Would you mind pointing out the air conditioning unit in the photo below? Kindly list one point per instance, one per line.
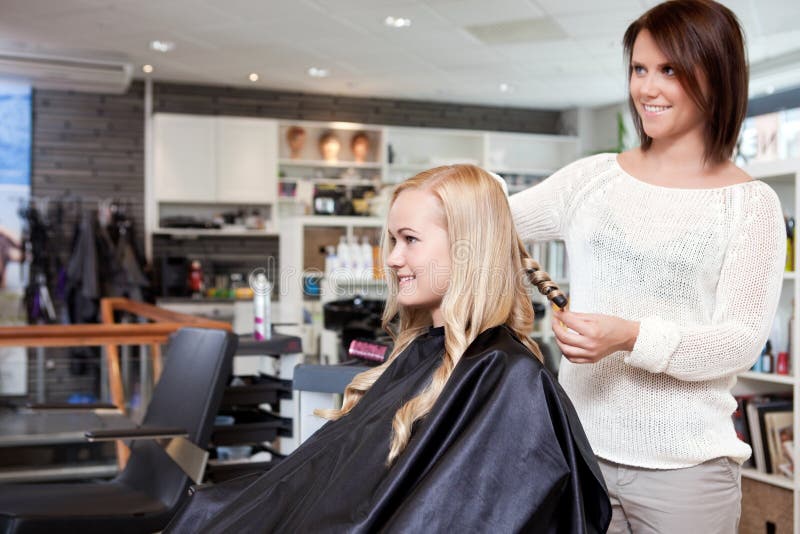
(64, 73)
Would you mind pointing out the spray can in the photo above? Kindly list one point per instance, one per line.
(262, 307)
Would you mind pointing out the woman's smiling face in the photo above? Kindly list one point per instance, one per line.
(419, 248)
(667, 111)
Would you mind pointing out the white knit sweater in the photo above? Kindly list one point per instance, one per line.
(700, 269)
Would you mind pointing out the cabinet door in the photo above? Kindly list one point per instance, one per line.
(247, 160)
(184, 158)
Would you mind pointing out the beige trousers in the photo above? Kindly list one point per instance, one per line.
(705, 498)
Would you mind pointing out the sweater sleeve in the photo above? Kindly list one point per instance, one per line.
(539, 211)
(747, 297)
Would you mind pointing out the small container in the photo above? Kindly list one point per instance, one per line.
(768, 360)
(195, 280)
(782, 366)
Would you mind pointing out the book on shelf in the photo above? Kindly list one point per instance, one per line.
(779, 431)
(765, 423)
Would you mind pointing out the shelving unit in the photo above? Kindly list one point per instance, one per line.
(229, 161)
(261, 407)
(784, 178)
(294, 267)
(204, 165)
(306, 171)
(189, 180)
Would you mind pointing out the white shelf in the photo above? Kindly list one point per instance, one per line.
(334, 181)
(775, 480)
(211, 232)
(790, 275)
(767, 377)
(211, 202)
(783, 170)
(340, 221)
(329, 164)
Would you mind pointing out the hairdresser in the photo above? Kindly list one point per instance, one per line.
(676, 259)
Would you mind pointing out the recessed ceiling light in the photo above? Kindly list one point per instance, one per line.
(397, 22)
(253, 77)
(162, 46)
(316, 72)
(147, 69)
(506, 88)
(770, 89)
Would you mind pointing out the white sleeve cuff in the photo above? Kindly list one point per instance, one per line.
(655, 345)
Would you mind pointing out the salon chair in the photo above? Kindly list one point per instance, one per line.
(170, 443)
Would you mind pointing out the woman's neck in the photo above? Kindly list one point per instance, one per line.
(683, 156)
(436, 318)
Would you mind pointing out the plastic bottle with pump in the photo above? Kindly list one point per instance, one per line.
(767, 359)
(366, 258)
(331, 260)
(355, 258)
(343, 255)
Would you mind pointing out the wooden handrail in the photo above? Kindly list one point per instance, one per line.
(111, 335)
(156, 314)
(90, 334)
(108, 332)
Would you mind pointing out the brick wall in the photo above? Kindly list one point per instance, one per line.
(208, 100)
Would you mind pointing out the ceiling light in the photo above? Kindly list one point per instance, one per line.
(253, 77)
(315, 72)
(147, 69)
(397, 22)
(505, 88)
(162, 46)
(770, 89)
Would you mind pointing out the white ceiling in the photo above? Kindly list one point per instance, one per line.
(436, 58)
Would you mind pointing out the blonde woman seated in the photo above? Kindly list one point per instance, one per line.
(462, 429)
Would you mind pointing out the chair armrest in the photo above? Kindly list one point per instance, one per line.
(136, 433)
(69, 407)
(188, 456)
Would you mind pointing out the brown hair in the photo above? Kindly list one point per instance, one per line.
(357, 137)
(701, 38)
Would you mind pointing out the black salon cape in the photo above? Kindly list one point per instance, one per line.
(501, 451)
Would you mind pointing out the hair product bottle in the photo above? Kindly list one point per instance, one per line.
(767, 359)
(262, 308)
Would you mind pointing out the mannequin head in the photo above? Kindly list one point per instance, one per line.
(359, 146)
(296, 138)
(329, 146)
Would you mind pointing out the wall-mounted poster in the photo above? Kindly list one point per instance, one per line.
(15, 184)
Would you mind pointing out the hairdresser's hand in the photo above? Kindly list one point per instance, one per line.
(593, 336)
